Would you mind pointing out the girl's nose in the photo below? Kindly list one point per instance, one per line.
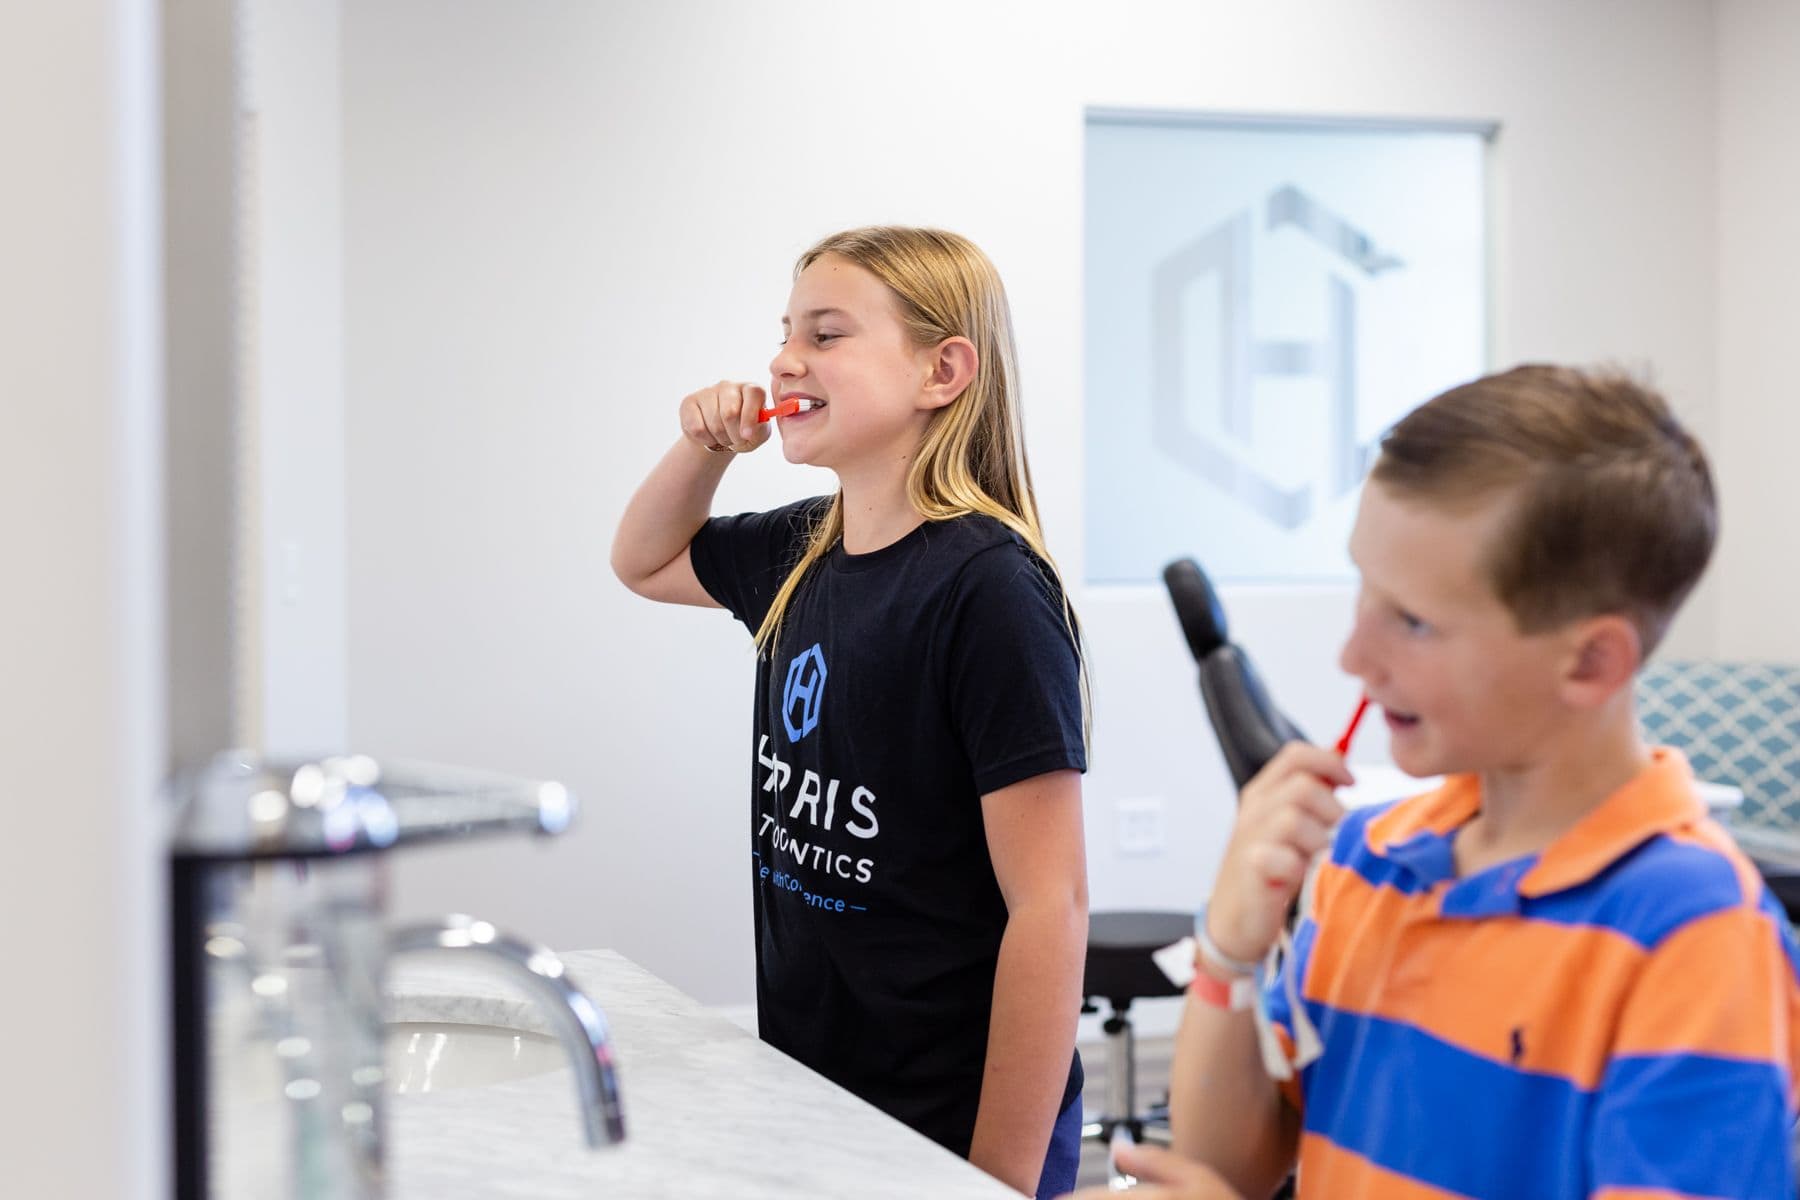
(786, 364)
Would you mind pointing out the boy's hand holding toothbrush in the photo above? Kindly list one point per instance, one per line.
(1285, 820)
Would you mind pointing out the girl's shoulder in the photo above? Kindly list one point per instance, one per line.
(975, 542)
(993, 559)
(972, 532)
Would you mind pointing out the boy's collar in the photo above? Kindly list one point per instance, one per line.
(1656, 800)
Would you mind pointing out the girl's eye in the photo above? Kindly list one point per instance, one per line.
(1411, 623)
(822, 338)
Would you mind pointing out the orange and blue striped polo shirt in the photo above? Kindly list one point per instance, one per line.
(1617, 1016)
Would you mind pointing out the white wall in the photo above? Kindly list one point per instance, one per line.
(81, 713)
(560, 218)
(293, 604)
(1759, 270)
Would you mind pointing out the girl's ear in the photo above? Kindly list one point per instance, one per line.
(950, 370)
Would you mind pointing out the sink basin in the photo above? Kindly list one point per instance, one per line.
(436, 1056)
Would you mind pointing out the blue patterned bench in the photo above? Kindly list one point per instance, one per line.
(1738, 723)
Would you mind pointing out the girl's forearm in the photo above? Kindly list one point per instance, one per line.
(667, 509)
(1031, 1035)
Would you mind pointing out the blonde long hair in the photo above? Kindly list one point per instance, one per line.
(972, 456)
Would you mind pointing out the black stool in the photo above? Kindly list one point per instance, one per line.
(1119, 970)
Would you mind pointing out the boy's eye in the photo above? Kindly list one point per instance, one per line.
(822, 338)
(1411, 623)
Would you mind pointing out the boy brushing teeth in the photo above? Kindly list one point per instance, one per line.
(1554, 976)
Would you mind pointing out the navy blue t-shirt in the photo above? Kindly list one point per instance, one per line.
(906, 684)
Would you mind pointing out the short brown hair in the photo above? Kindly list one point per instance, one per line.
(1615, 511)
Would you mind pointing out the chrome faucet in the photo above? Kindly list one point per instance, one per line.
(278, 879)
(578, 1024)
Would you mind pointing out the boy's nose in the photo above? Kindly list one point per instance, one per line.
(1353, 659)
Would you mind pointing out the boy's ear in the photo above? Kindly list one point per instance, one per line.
(1607, 655)
(950, 371)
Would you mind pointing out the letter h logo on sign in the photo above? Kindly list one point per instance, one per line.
(1239, 358)
(801, 694)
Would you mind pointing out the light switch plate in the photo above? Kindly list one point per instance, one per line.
(1141, 825)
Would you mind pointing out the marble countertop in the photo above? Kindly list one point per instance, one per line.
(709, 1109)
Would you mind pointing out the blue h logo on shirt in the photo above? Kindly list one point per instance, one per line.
(805, 685)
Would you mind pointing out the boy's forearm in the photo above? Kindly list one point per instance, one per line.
(1031, 1037)
(667, 509)
(1224, 1110)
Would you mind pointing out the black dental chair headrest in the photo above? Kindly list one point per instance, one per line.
(1197, 607)
(1249, 727)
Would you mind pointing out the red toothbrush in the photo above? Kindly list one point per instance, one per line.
(1343, 742)
(788, 407)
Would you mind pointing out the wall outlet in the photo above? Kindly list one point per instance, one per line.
(1141, 825)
